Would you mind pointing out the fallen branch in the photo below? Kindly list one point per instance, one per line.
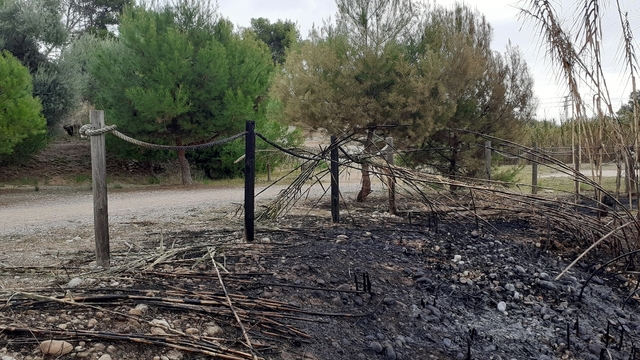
(244, 332)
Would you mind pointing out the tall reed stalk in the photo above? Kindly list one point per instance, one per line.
(577, 60)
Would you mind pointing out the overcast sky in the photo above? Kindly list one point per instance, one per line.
(503, 17)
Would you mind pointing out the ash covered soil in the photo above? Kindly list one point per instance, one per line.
(374, 286)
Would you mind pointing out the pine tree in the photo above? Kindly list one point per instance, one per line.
(180, 75)
(20, 117)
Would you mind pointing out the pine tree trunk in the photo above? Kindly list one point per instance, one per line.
(366, 178)
(184, 166)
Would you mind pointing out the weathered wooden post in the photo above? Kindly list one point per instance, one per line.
(99, 183)
(577, 157)
(249, 180)
(534, 170)
(487, 159)
(335, 182)
(391, 179)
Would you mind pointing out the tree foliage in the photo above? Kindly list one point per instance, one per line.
(486, 92)
(96, 17)
(278, 36)
(20, 118)
(179, 75)
(33, 32)
(353, 77)
(417, 71)
(625, 113)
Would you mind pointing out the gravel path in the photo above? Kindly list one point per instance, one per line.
(24, 212)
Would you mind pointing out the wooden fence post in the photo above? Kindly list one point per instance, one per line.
(335, 182)
(249, 180)
(534, 170)
(487, 159)
(391, 179)
(99, 184)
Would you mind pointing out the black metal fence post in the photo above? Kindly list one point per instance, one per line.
(335, 185)
(249, 181)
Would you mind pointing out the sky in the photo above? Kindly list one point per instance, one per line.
(503, 15)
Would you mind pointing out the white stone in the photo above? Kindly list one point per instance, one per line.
(214, 331)
(75, 282)
(158, 331)
(192, 331)
(55, 347)
(141, 309)
(502, 306)
(174, 355)
(160, 322)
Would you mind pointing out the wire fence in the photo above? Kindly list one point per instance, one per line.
(519, 156)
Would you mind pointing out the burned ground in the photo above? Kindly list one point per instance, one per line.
(374, 286)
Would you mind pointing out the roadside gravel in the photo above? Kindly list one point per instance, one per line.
(24, 213)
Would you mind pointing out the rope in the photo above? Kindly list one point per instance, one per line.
(287, 151)
(87, 130)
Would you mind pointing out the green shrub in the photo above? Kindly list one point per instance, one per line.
(508, 175)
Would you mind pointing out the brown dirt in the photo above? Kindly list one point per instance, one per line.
(67, 161)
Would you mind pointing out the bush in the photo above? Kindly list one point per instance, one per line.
(509, 175)
(22, 126)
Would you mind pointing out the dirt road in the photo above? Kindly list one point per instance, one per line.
(24, 212)
(28, 212)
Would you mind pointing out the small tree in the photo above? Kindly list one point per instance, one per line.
(20, 117)
(33, 31)
(354, 76)
(178, 74)
(487, 92)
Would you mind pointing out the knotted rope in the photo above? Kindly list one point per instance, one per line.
(88, 130)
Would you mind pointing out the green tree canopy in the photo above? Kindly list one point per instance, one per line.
(179, 75)
(417, 70)
(626, 110)
(354, 76)
(279, 36)
(95, 17)
(487, 92)
(33, 31)
(20, 117)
